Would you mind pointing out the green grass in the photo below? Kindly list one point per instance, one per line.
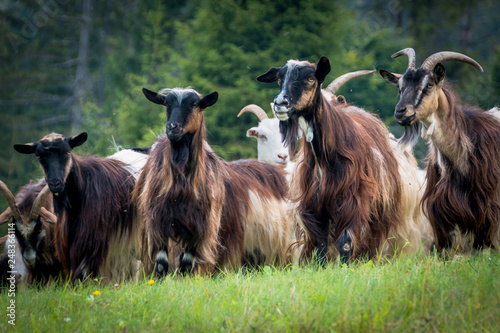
(404, 295)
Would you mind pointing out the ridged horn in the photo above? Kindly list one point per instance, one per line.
(38, 203)
(10, 200)
(255, 109)
(410, 53)
(438, 57)
(341, 80)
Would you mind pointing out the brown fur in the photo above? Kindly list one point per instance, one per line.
(349, 185)
(226, 214)
(46, 266)
(463, 173)
(93, 213)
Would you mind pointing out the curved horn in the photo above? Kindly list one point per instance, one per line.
(255, 109)
(341, 80)
(38, 203)
(407, 52)
(10, 200)
(438, 57)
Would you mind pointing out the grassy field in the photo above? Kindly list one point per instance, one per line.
(404, 295)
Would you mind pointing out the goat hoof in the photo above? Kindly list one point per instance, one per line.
(161, 264)
(344, 246)
(186, 264)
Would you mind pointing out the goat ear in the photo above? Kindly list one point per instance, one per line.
(389, 77)
(208, 100)
(270, 76)
(77, 140)
(322, 69)
(341, 99)
(48, 216)
(28, 148)
(153, 96)
(439, 73)
(253, 132)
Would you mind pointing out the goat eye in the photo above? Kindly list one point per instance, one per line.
(430, 85)
(263, 137)
(310, 79)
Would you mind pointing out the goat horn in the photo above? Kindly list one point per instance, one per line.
(255, 109)
(272, 109)
(10, 200)
(38, 203)
(407, 52)
(438, 57)
(341, 80)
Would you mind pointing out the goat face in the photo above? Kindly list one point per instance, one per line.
(54, 154)
(299, 83)
(184, 109)
(420, 89)
(269, 146)
(419, 92)
(30, 218)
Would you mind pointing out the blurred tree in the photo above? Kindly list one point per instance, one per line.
(213, 45)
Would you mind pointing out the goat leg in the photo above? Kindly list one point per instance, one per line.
(161, 263)
(322, 244)
(187, 261)
(344, 246)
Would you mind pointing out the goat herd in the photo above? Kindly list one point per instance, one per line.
(353, 191)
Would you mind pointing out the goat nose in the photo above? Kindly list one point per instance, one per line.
(282, 100)
(172, 126)
(400, 110)
(55, 182)
(283, 156)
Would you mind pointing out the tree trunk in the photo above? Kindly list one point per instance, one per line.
(82, 71)
(467, 29)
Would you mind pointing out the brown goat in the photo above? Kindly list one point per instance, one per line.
(96, 234)
(462, 197)
(348, 181)
(31, 216)
(224, 214)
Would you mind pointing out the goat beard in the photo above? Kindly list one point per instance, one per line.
(410, 136)
(290, 133)
(180, 152)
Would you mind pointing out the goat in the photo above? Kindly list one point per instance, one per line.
(347, 182)
(33, 221)
(269, 146)
(462, 195)
(224, 214)
(97, 233)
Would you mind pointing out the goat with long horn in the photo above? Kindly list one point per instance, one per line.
(462, 196)
(33, 219)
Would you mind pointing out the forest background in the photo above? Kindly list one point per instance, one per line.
(73, 66)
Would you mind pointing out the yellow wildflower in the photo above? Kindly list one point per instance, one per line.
(97, 292)
(150, 282)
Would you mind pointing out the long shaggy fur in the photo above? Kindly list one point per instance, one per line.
(463, 183)
(95, 215)
(354, 180)
(225, 213)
